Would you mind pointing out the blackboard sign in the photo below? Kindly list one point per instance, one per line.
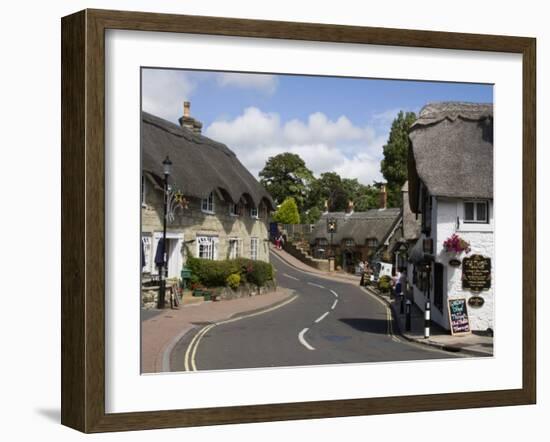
(476, 273)
(458, 316)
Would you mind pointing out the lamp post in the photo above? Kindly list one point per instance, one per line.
(163, 271)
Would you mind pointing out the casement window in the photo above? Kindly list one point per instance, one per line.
(234, 248)
(349, 243)
(254, 248)
(476, 212)
(254, 212)
(207, 247)
(147, 246)
(372, 242)
(207, 204)
(234, 209)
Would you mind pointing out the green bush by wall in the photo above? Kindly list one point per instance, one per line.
(216, 273)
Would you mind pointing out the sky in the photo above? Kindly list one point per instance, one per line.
(335, 124)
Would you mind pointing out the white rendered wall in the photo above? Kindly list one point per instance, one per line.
(481, 239)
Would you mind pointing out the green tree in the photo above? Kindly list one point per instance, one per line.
(287, 212)
(311, 216)
(394, 164)
(286, 175)
(329, 187)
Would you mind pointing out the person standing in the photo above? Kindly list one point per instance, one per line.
(362, 272)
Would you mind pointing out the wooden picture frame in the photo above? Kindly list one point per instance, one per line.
(83, 220)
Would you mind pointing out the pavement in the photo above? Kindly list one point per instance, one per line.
(471, 344)
(338, 275)
(162, 329)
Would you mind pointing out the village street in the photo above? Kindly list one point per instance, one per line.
(325, 322)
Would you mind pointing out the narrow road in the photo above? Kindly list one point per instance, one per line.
(327, 322)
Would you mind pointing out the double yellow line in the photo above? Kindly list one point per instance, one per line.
(190, 363)
(389, 319)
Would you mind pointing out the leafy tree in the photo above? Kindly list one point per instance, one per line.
(394, 164)
(311, 216)
(287, 213)
(286, 175)
(329, 187)
(367, 197)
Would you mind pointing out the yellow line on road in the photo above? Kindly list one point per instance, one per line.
(191, 352)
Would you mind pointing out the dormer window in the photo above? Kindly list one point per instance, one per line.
(372, 242)
(143, 190)
(234, 209)
(254, 212)
(207, 204)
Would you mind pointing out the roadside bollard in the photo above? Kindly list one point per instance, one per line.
(408, 316)
(427, 320)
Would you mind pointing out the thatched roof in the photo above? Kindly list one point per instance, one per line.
(451, 151)
(411, 221)
(199, 165)
(359, 226)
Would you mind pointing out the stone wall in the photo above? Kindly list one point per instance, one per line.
(320, 264)
(193, 222)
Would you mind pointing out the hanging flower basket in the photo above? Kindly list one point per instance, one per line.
(455, 244)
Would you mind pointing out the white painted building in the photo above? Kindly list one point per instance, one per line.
(451, 187)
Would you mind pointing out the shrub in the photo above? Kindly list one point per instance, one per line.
(260, 273)
(233, 280)
(384, 283)
(216, 273)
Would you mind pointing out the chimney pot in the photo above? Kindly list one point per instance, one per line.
(383, 197)
(186, 109)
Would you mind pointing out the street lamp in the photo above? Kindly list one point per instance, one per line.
(163, 271)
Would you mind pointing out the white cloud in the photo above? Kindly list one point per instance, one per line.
(164, 91)
(261, 82)
(325, 145)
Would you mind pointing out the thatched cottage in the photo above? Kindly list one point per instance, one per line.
(451, 186)
(359, 236)
(217, 209)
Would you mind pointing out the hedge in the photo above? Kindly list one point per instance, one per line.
(216, 273)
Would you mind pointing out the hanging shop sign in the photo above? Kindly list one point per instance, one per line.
(476, 301)
(476, 273)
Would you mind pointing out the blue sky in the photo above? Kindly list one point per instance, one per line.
(333, 123)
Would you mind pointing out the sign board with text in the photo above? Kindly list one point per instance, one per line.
(476, 273)
(458, 316)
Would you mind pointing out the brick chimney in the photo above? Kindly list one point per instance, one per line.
(383, 197)
(187, 121)
(350, 207)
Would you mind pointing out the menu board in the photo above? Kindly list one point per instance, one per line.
(458, 316)
(476, 273)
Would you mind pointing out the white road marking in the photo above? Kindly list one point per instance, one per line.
(303, 341)
(191, 351)
(316, 285)
(320, 318)
(334, 305)
(334, 293)
(291, 277)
